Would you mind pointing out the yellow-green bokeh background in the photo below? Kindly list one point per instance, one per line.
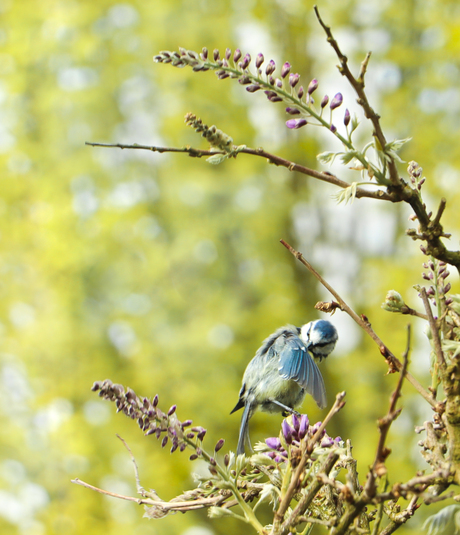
(165, 273)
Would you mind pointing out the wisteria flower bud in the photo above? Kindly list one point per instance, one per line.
(287, 432)
(164, 441)
(336, 101)
(312, 86)
(259, 60)
(193, 457)
(324, 101)
(295, 422)
(237, 55)
(270, 68)
(327, 442)
(204, 54)
(228, 53)
(216, 54)
(296, 123)
(155, 401)
(246, 61)
(447, 287)
(333, 128)
(285, 69)
(186, 423)
(190, 435)
(201, 434)
(172, 410)
(253, 88)
(219, 445)
(292, 111)
(182, 446)
(294, 79)
(300, 92)
(303, 427)
(244, 80)
(226, 459)
(273, 443)
(346, 118)
(174, 446)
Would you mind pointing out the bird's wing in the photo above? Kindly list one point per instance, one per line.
(296, 363)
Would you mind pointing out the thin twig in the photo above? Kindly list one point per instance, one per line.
(165, 506)
(272, 158)
(385, 424)
(434, 331)
(392, 361)
(140, 489)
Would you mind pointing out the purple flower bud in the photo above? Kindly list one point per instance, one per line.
(292, 111)
(259, 60)
(295, 422)
(172, 410)
(294, 79)
(287, 431)
(212, 461)
(273, 443)
(296, 123)
(425, 276)
(204, 54)
(190, 435)
(333, 128)
(279, 83)
(253, 88)
(336, 101)
(285, 69)
(246, 61)
(198, 451)
(303, 428)
(228, 53)
(337, 440)
(193, 457)
(430, 291)
(449, 301)
(444, 274)
(312, 86)
(324, 101)
(182, 446)
(244, 80)
(219, 445)
(174, 446)
(346, 118)
(226, 459)
(237, 55)
(186, 423)
(201, 434)
(164, 441)
(270, 68)
(216, 54)
(300, 92)
(447, 287)
(327, 442)
(423, 249)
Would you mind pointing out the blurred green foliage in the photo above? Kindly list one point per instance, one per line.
(165, 273)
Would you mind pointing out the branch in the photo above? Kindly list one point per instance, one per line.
(358, 86)
(434, 331)
(393, 363)
(272, 158)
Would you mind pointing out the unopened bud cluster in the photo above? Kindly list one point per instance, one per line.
(394, 302)
(151, 419)
(284, 88)
(212, 134)
(437, 273)
(415, 174)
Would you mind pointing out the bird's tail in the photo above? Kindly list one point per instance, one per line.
(243, 438)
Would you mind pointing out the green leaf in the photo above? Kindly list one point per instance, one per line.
(328, 157)
(347, 194)
(216, 159)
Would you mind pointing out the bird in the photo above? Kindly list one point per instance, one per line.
(283, 371)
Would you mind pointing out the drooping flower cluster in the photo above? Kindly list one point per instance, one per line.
(152, 420)
(437, 274)
(284, 88)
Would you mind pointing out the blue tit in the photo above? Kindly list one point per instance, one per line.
(283, 371)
